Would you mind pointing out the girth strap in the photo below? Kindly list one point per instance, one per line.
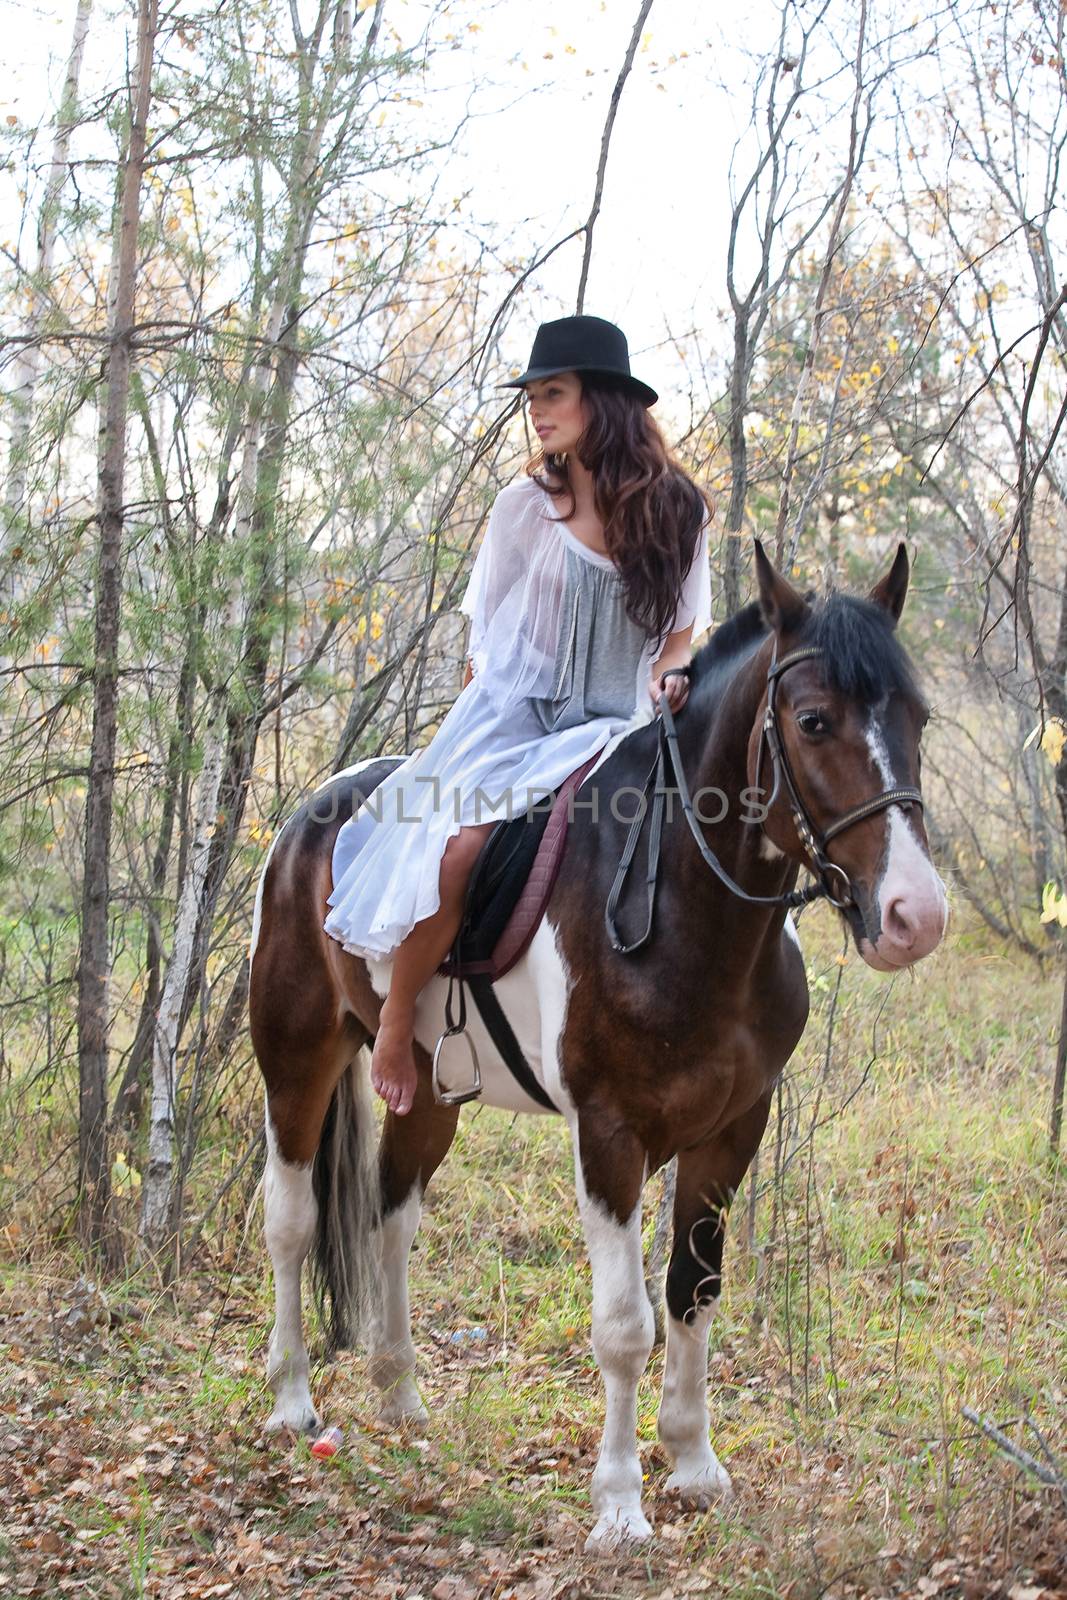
(503, 1036)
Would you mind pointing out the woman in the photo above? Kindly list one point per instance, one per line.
(590, 583)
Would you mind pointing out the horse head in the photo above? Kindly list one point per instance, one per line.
(841, 722)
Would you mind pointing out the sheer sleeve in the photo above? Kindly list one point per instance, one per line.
(694, 603)
(475, 603)
(514, 597)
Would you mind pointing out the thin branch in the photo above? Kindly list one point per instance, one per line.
(1021, 1458)
(605, 142)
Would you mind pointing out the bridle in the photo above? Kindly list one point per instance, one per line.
(831, 881)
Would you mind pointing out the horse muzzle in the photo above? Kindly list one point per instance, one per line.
(906, 916)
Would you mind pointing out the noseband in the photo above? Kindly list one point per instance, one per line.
(831, 883)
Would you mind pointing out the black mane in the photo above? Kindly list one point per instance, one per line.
(733, 641)
(863, 658)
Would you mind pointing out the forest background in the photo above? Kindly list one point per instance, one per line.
(262, 268)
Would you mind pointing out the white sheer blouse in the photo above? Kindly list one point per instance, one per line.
(559, 670)
(524, 593)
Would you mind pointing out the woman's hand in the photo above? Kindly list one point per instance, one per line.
(675, 687)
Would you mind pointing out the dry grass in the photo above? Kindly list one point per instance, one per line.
(911, 1256)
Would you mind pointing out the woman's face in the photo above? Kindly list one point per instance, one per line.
(557, 412)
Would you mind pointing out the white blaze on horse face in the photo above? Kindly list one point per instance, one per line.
(290, 1213)
(912, 905)
(698, 1476)
(392, 1353)
(623, 1330)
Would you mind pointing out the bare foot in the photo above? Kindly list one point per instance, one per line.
(392, 1067)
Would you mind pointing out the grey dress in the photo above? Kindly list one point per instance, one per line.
(600, 649)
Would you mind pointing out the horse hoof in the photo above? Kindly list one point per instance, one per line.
(617, 1531)
(300, 1418)
(709, 1486)
(404, 1411)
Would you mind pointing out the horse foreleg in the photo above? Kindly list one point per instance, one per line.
(610, 1167)
(708, 1177)
(413, 1147)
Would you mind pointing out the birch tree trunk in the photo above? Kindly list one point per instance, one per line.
(234, 728)
(157, 1221)
(266, 431)
(28, 364)
(94, 962)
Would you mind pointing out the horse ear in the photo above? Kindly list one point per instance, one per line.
(784, 609)
(891, 590)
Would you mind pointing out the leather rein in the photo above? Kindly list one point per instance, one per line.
(831, 882)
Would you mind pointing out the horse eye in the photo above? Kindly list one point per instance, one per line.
(811, 722)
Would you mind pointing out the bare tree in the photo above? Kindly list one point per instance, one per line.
(768, 206)
(605, 145)
(28, 363)
(1005, 300)
(94, 963)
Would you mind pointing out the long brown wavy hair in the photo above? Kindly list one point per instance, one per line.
(650, 510)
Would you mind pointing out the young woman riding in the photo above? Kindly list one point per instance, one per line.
(590, 583)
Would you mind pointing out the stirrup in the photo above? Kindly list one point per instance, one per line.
(455, 1026)
(455, 1097)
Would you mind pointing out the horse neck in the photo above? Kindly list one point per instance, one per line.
(714, 754)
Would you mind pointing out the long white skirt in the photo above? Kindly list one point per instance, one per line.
(480, 766)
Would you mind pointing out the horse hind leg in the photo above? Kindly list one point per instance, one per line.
(708, 1177)
(319, 1170)
(392, 1350)
(412, 1148)
(290, 1215)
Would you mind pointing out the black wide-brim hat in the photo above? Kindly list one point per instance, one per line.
(582, 344)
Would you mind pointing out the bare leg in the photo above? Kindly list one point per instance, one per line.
(415, 961)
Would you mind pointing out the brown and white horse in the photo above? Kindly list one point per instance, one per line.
(671, 1051)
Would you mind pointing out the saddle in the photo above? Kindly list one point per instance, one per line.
(506, 897)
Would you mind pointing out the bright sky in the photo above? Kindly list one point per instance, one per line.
(659, 241)
(544, 74)
(539, 78)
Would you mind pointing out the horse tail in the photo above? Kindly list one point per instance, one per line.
(346, 1256)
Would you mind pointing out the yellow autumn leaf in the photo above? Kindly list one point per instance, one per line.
(124, 1177)
(1050, 737)
(1053, 740)
(1053, 905)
